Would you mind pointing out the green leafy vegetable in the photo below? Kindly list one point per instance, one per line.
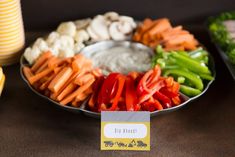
(220, 34)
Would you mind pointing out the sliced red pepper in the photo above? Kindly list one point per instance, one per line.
(168, 93)
(166, 102)
(137, 107)
(158, 105)
(142, 86)
(175, 87)
(156, 73)
(176, 100)
(151, 106)
(107, 88)
(154, 88)
(134, 75)
(121, 82)
(169, 81)
(148, 80)
(130, 94)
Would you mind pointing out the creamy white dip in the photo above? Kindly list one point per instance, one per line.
(122, 59)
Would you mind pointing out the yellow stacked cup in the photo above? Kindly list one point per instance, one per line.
(12, 37)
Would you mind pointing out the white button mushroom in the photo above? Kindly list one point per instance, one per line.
(125, 27)
(129, 20)
(67, 28)
(111, 16)
(115, 33)
(98, 25)
(92, 34)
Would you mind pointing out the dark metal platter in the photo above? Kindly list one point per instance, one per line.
(107, 44)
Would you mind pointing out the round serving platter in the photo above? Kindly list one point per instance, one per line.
(105, 45)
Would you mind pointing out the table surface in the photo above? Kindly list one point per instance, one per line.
(33, 127)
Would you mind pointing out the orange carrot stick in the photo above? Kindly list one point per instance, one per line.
(60, 79)
(83, 79)
(89, 90)
(44, 65)
(97, 72)
(80, 90)
(46, 84)
(27, 72)
(180, 39)
(69, 89)
(41, 60)
(81, 97)
(76, 104)
(78, 63)
(91, 102)
(40, 75)
(71, 79)
(161, 25)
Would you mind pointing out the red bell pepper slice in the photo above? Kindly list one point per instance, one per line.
(168, 93)
(148, 80)
(130, 94)
(151, 106)
(107, 88)
(121, 82)
(142, 86)
(176, 100)
(166, 102)
(154, 88)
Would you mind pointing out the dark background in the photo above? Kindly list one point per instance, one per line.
(47, 14)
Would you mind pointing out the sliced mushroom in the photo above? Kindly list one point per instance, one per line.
(82, 24)
(128, 19)
(92, 34)
(111, 16)
(115, 33)
(125, 27)
(81, 36)
(98, 24)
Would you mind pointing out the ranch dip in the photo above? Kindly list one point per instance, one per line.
(121, 59)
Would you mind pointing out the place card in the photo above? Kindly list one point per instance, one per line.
(122, 130)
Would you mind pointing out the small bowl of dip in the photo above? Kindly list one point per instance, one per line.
(119, 56)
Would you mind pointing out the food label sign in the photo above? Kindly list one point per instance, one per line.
(125, 131)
